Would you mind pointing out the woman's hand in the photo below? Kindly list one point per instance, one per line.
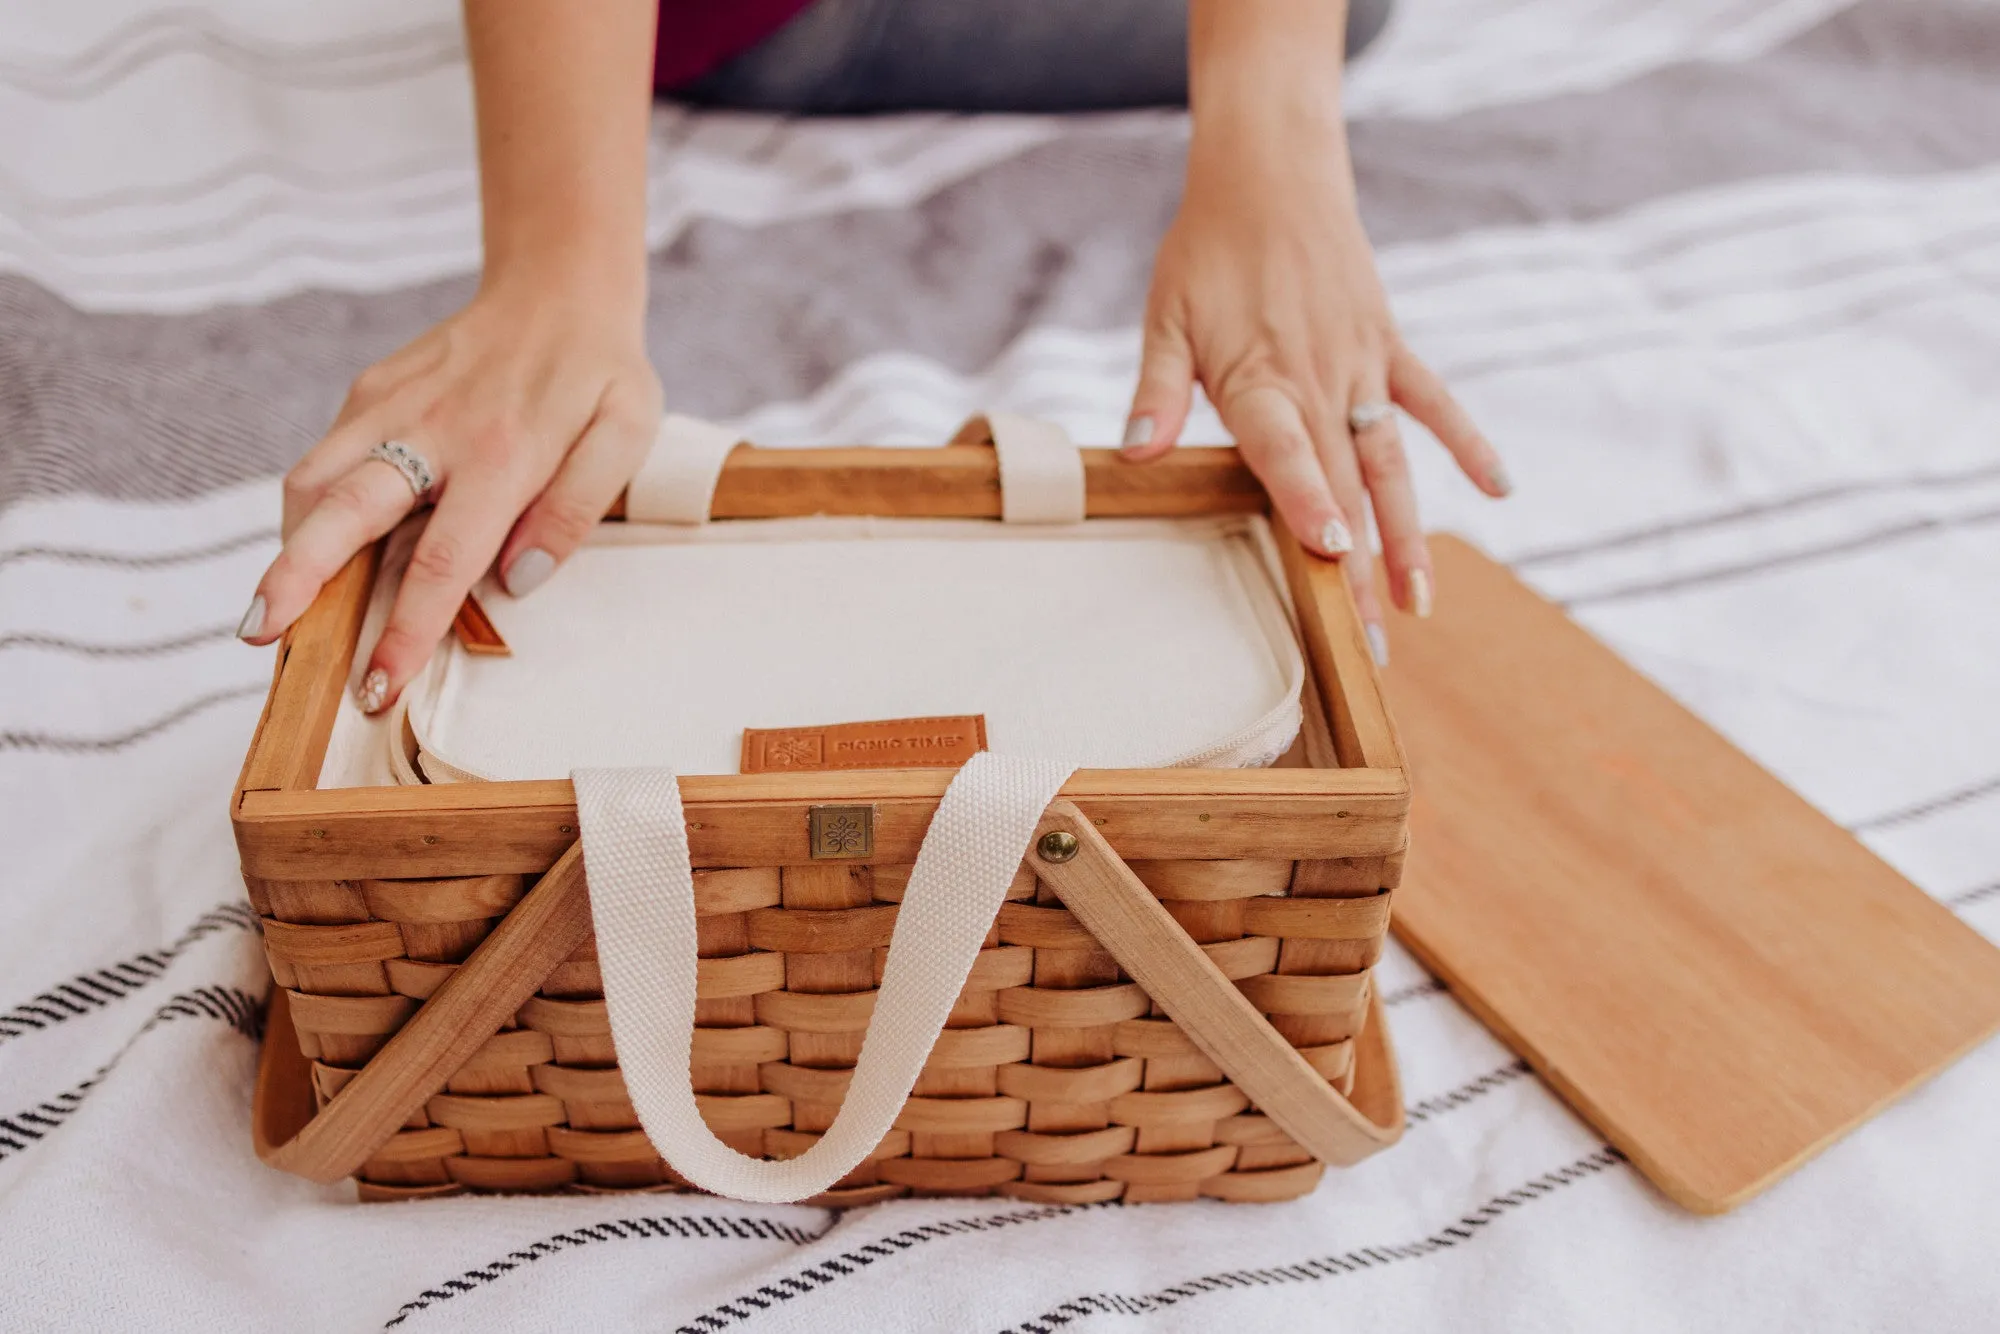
(1265, 291)
(532, 411)
(532, 406)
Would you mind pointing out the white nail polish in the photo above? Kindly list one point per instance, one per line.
(252, 623)
(1378, 643)
(1334, 539)
(1138, 431)
(1497, 476)
(528, 572)
(1420, 593)
(374, 692)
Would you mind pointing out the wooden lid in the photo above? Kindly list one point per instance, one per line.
(1714, 974)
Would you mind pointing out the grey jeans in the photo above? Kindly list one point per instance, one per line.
(849, 56)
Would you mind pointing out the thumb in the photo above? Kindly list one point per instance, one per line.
(1166, 390)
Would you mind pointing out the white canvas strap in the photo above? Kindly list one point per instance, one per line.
(1041, 470)
(676, 482)
(642, 908)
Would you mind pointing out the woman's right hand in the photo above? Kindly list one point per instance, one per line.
(533, 407)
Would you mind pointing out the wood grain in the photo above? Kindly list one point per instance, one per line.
(311, 672)
(963, 482)
(462, 829)
(1713, 973)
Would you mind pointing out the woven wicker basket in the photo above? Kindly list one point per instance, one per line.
(1058, 1077)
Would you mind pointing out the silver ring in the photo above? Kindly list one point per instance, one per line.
(1364, 415)
(408, 462)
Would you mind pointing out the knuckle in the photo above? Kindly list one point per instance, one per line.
(567, 518)
(438, 558)
(347, 495)
(371, 385)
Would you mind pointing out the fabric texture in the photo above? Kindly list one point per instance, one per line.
(642, 907)
(676, 480)
(847, 56)
(1041, 473)
(1113, 644)
(1717, 278)
(695, 36)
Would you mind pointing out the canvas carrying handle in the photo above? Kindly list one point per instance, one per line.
(1041, 470)
(556, 916)
(642, 900)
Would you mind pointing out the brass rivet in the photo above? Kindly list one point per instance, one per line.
(565, 829)
(316, 833)
(1058, 845)
(430, 838)
(1202, 818)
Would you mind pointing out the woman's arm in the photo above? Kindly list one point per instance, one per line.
(1265, 291)
(534, 404)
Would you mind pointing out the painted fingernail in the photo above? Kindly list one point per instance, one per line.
(1420, 593)
(1378, 643)
(252, 623)
(374, 692)
(1138, 432)
(1497, 478)
(528, 572)
(1334, 539)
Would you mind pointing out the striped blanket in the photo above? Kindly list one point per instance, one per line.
(1722, 279)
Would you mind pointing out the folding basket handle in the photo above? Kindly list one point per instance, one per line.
(642, 900)
(1111, 903)
(483, 993)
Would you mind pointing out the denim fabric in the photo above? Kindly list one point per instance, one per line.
(850, 56)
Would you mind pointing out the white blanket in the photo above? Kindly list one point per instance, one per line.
(1744, 377)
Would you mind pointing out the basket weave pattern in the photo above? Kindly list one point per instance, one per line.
(1057, 1079)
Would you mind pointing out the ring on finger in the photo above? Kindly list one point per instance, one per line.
(414, 467)
(1373, 413)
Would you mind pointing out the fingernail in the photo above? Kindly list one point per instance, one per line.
(1420, 593)
(1138, 431)
(1497, 478)
(528, 572)
(1378, 643)
(374, 692)
(1334, 539)
(252, 623)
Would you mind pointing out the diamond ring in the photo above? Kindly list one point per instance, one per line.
(408, 462)
(1364, 415)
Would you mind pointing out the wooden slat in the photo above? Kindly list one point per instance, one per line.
(963, 482)
(1717, 976)
(1363, 734)
(760, 819)
(313, 658)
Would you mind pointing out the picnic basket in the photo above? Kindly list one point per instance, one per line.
(1173, 999)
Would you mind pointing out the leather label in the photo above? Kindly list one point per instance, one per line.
(897, 743)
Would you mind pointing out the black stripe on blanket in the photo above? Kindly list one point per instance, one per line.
(1923, 810)
(151, 648)
(59, 744)
(1470, 1091)
(1403, 995)
(232, 1005)
(1330, 1266)
(141, 560)
(675, 1229)
(87, 992)
(1969, 897)
(1763, 509)
(1845, 546)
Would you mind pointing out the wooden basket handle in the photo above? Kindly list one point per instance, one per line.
(481, 995)
(1111, 903)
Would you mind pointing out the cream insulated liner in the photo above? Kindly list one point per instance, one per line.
(1141, 643)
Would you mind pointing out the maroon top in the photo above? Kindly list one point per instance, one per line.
(698, 35)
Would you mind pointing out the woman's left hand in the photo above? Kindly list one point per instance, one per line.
(1265, 292)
